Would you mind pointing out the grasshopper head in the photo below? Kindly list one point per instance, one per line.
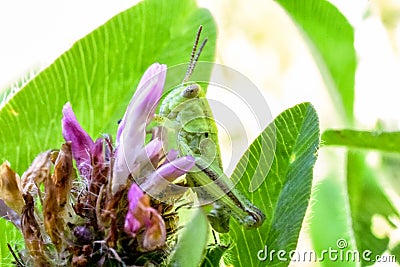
(179, 98)
(191, 91)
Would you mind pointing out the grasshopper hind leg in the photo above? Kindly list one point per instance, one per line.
(219, 215)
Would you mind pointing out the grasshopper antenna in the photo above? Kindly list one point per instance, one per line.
(194, 56)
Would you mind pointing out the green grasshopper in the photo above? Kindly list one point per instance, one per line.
(187, 107)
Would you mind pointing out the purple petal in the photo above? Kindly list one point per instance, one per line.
(176, 168)
(147, 94)
(172, 155)
(149, 152)
(161, 180)
(142, 216)
(97, 154)
(132, 225)
(134, 195)
(146, 161)
(100, 168)
(131, 132)
(97, 151)
(81, 143)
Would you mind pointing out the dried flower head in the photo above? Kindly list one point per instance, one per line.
(10, 191)
(107, 212)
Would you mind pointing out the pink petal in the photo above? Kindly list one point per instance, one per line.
(172, 155)
(160, 181)
(146, 97)
(132, 225)
(131, 132)
(81, 142)
(134, 195)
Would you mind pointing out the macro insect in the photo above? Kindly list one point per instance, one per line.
(187, 108)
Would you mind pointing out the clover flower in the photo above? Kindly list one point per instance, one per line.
(113, 211)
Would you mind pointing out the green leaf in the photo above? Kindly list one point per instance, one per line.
(330, 38)
(382, 141)
(329, 225)
(214, 255)
(284, 195)
(10, 235)
(396, 252)
(367, 199)
(99, 74)
(192, 242)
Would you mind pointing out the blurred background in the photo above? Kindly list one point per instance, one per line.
(256, 38)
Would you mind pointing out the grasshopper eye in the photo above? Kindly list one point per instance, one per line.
(191, 91)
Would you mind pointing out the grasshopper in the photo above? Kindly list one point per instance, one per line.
(187, 107)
